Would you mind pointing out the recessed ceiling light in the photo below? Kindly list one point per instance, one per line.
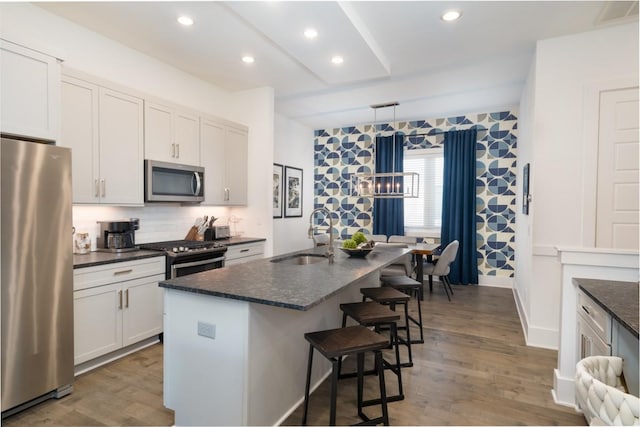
(310, 33)
(451, 15)
(185, 20)
(337, 60)
(247, 59)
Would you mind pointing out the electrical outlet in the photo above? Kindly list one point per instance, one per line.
(207, 330)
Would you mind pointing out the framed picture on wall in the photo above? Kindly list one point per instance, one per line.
(525, 189)
(278, 179)
(293, 191)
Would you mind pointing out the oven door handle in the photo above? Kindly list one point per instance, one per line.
(178, 266)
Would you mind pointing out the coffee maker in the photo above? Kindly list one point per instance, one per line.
(117, 236)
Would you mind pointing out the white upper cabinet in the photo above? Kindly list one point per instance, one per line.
(104, 129)
(30, 87)
(171, 134)
(223, 153)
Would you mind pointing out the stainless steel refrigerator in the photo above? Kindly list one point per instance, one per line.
(37, 272)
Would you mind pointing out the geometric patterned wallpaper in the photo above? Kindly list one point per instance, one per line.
(340, 152)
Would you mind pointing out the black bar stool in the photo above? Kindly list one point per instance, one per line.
(373, 314)
(389, 296)
(335, 343)
(409, 286)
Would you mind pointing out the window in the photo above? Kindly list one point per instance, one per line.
(423, 215)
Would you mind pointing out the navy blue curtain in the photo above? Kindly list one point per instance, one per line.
(388, 214)
(459, 203)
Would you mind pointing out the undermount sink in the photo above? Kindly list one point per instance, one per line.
(301, 259)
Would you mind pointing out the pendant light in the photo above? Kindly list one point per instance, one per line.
(386, 185)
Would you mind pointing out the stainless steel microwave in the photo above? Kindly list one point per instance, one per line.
(173, 182)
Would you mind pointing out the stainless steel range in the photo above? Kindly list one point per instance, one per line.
(187, 256)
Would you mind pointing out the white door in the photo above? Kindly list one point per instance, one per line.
(187, 139)
(80, 133)
(617, 193)
(97, 322)
(212, 157)
(142, 312)
(121, 143)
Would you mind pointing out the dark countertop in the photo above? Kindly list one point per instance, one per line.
(619, 299)
(99, 258)
(297, 287)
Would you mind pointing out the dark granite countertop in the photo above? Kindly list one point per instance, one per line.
(619, 299)
(99, 258)
(297, 287)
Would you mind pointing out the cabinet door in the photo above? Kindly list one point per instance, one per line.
(30, 87)
(186, 138)
(212, 158)
(97, 322)
(121, 148)
(79, 132)
(236, 161)
(142, 313)
(158, 133)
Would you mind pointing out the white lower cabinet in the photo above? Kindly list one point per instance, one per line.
(237, 254)
(115, 307)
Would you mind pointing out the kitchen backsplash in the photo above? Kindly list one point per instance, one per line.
(157, 223)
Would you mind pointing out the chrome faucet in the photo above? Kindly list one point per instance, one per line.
(329, 252)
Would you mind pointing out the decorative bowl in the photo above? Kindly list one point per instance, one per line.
(357, 253)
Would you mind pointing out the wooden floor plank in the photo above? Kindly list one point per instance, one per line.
(473, 369)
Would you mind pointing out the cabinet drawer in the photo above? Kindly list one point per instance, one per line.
(595, 316)
(89, 277)
(236, 252)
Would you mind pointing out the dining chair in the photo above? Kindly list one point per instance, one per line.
(405, 267)
(441, 267)
(378, 238)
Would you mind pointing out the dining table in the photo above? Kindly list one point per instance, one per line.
(420, 250)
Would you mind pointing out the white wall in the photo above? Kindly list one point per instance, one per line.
(553, 142)
(294, 147)
(96, 55)
(255, 109)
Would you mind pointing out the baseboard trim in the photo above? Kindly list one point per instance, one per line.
(535, 336)
(496, 281)
(564, 390)
(301, 400)
(118, 354)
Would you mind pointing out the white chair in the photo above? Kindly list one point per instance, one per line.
(403, 267)
(442, 266)
(601, 395)
(378, 238)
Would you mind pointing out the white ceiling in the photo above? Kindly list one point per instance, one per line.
(393, 50)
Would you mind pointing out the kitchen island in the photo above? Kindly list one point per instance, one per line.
(234, 348)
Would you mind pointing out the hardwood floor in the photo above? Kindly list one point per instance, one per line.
(127, 392)
(473, 369)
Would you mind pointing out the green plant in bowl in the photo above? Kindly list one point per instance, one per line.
(349, 244)
(359, 237)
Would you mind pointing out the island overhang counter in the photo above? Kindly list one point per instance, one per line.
(234, 348)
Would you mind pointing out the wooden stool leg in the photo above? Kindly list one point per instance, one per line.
(306, 387)
(344, 323)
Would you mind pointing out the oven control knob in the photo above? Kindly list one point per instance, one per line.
(174, 250)
(182, 249)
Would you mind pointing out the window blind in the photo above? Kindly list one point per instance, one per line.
(425, 212)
